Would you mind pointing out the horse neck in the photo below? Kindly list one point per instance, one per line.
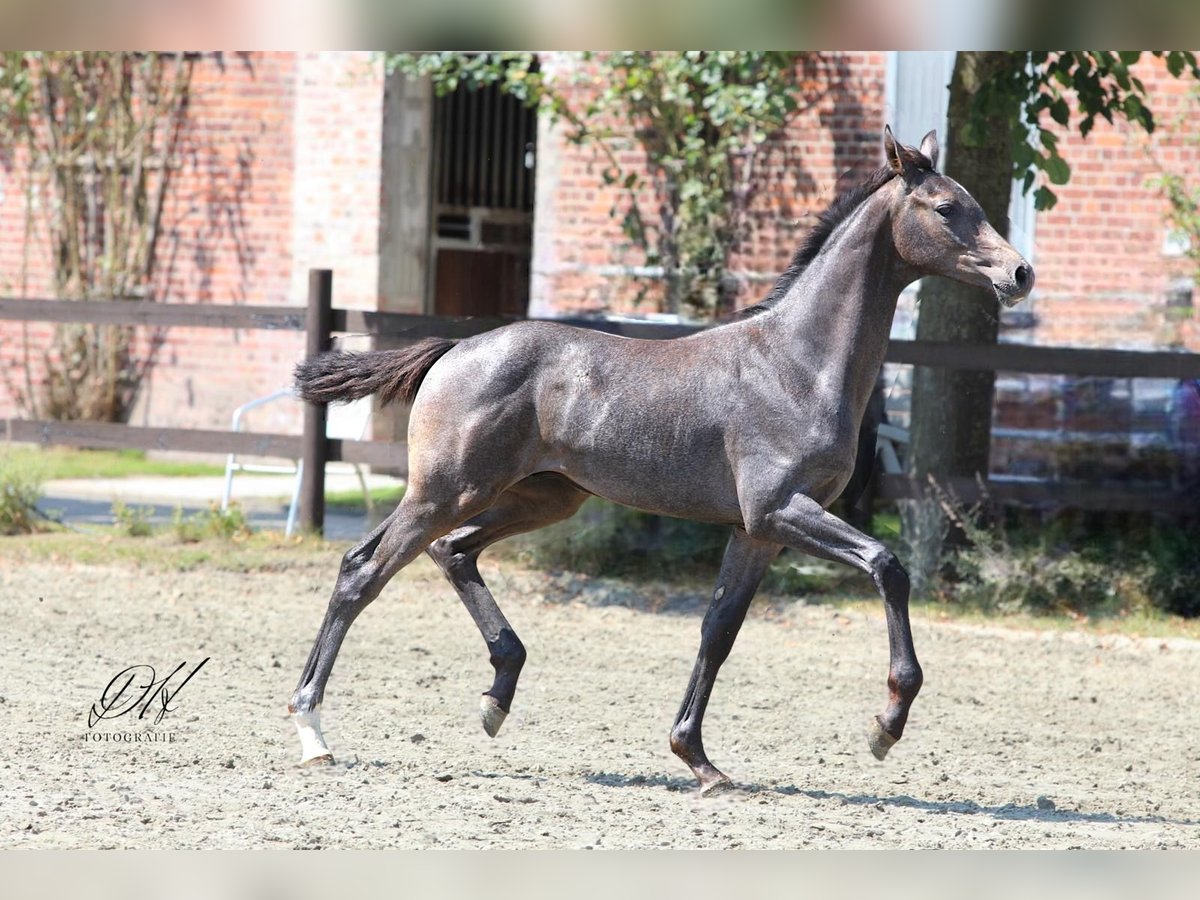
(836, 319)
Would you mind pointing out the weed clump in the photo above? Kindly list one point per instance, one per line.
(20, 491)
(223, 524)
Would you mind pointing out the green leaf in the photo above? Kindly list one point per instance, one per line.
(1056, 169)
(1060, 112)
(1133, 109)
(1044, 198)
(1129, 57)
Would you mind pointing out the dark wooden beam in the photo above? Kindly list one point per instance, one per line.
(314, 444)
(108, 436)
(154, 315)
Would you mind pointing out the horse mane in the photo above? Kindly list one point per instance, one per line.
(837, 212)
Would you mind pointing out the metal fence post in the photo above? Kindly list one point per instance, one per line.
(315, 447)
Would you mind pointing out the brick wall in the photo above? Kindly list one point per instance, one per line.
(1102, 271)
(227, 239)
(581, 261)
(279, 171)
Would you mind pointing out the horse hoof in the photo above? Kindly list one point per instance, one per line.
(881, 742)
(715, 788)
(325, 759)
(491, 714)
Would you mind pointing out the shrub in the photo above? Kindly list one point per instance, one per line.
(1095, 563)
(223, 524)
(20, 491)
(133, 521)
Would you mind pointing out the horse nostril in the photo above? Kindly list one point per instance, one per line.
(1023, 276)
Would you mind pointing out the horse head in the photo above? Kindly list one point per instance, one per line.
(940, 229)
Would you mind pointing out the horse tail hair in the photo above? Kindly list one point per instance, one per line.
(395, 375)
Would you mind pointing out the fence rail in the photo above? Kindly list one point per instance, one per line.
(1041, 494)
(319, 320)
(995, 357)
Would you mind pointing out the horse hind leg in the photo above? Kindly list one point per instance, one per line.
(364, 571)
(530, 504)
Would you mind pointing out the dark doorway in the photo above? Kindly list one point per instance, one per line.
(483, 165)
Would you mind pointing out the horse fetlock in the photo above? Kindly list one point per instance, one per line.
(686, 745)
(304, 701)
(905, 681)
(507, 654)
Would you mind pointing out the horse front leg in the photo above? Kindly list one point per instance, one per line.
(804, 525)
(746, 560)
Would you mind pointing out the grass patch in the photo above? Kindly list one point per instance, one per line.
(311, 555)
(1144, 622)
(68, 462)
(163, 552)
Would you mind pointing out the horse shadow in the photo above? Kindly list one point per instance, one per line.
(1005, 812)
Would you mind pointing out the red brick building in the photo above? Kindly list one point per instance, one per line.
(470, 205)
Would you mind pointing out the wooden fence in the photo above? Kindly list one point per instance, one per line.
(320, 320)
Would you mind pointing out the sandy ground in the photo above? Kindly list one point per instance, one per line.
(1019, 739)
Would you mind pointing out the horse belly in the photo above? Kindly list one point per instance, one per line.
(660, 469)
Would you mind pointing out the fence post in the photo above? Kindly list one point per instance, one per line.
(314, 446)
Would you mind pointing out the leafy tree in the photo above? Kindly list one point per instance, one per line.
(700, 119)
(94, 133)
(1004, 108)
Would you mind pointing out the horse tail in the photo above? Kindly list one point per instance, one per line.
(395, 375)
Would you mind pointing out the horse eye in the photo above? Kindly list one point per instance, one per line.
(945, 210)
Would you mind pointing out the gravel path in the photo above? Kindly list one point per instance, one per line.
(1019, 739)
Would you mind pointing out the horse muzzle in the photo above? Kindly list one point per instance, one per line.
(1014, 288)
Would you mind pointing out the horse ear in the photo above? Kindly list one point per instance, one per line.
(905, 161)
(929, 147)
(891, 151)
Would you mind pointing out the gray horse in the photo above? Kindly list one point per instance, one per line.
(752, 424)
